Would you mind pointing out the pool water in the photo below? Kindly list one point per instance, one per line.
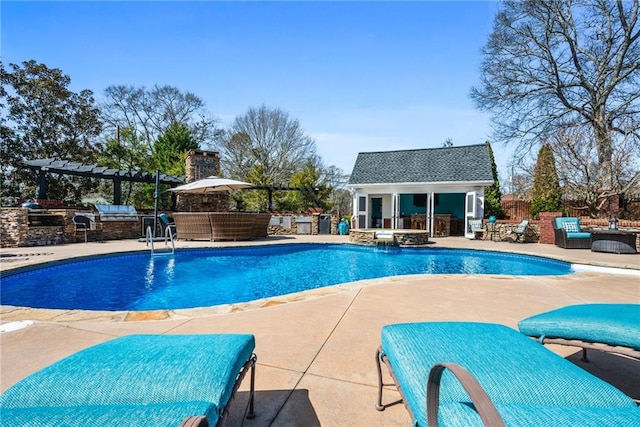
(207, 277)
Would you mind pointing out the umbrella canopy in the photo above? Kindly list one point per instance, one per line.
(211, 184)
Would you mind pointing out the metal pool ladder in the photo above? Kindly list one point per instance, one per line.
(149, 239)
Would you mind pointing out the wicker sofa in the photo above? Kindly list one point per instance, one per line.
(569, 235)
(216, 226)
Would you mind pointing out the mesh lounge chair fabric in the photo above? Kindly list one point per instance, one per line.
(528, 384)
(132, 376)
(608, 327)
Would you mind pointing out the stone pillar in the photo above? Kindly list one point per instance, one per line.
(547, 234)
(201, 164)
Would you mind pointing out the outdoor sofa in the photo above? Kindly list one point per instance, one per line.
(569, 235)
(136, 380)
(613, 328)
(472, 374)
(216, 226)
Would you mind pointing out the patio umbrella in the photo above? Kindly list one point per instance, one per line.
(211, 184)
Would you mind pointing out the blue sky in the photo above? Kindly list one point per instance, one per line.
(359, 76)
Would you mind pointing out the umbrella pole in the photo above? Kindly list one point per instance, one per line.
(155, 204)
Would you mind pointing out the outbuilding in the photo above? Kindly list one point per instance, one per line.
(435, 189)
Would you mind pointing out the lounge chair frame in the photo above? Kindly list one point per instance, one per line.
(201, 421)
(585, 345)
(487, 411)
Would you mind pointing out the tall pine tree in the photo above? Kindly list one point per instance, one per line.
(492, 194)
(546, 195)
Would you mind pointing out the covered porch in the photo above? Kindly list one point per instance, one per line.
(442, 212)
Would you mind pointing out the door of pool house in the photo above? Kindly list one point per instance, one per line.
(376, 212)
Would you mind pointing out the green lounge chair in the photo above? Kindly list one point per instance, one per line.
(613, 328)
(136, 380)
(473, 374)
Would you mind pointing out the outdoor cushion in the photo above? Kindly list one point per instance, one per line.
(157, 415)
(570, 227)
(579, 235)
(613, 324)
(523, 379)
(561, 222)
(463, 415)
(171, 371)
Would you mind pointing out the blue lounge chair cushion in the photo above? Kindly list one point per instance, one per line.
(462, 415)
(613, 324)
(157, 415)
(139, 370)
(514, 370)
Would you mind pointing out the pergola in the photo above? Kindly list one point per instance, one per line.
(45, 166)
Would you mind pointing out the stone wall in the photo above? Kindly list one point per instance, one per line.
(286, 223)
(14, 226)
(15, 229)
(400, 237)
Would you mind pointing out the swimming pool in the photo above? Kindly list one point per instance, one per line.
(208, 277)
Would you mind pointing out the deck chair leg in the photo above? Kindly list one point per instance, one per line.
(584, 357)
(379, 405)
(252, 387)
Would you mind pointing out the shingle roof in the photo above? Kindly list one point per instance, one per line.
(445, 164)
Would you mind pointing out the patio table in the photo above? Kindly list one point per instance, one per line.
(613, 241)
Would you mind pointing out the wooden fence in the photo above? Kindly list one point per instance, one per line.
(516, 210)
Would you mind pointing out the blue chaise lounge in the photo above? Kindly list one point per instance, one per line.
(569, 235)
(136, 380)
(614, 328)
(473, 374)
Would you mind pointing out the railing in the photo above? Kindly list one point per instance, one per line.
(168, 237)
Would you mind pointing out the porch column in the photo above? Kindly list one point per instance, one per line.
(430, 209)
(396, 210)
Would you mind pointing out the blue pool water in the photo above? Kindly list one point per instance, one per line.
(207, 277)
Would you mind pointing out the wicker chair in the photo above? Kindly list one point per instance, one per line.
(569, 235)
(231, 225)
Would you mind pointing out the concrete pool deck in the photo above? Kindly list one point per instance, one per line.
(316, 349)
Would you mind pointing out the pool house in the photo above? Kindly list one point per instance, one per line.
(434, 189)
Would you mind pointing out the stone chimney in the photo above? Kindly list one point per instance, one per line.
(199, 165)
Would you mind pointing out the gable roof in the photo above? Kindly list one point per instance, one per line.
(429, 165)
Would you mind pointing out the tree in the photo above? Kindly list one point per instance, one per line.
(546, 195)
(265, 137)
(577, 166)
(127, 153)
(492, 194)
(150, 112)
(171, 148)
(42, 118)
(554, 63)
(316, 195)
